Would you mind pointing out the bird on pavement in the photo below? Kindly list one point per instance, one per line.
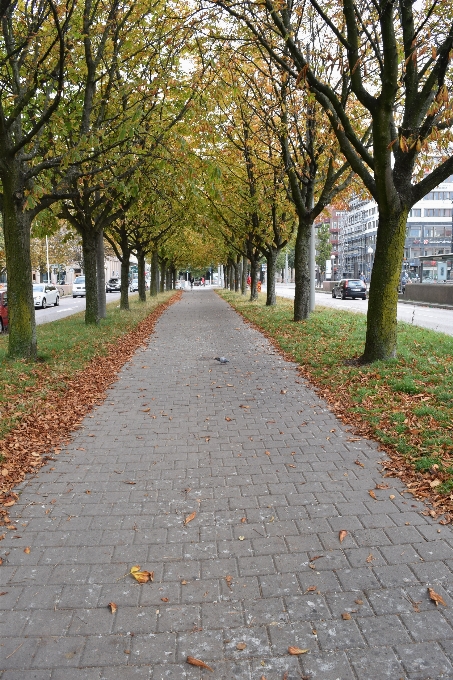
(222, 360)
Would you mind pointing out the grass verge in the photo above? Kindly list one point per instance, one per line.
(42, 402)
(406, 403)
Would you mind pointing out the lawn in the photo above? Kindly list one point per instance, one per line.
(405, 403)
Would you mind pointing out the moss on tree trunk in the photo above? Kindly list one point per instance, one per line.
(16, 227)
(381, 336)
(302, 273)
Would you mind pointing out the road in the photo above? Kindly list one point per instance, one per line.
(437, 319)
(68, 305)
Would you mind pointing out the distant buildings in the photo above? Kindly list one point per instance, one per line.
(429, 233)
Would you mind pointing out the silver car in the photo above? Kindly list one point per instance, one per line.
(45, 294)
(78, 287)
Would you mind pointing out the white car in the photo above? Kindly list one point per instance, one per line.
(45, 294)
(78, 287)
(133, 286)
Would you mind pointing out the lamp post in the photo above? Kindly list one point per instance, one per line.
(332, 275)
(370, 252)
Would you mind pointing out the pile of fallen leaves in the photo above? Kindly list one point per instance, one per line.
(41, 433)
(370, 399)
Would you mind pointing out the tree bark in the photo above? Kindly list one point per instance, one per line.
(236, 269)
(16, 227)
(302, 273)
(90, 266)
(163, 268)
(244, 276)
(254, 269)
(271, 259)
(381, 336)
(141, 276)
(100, 262)
(124, 295)
(154, 282)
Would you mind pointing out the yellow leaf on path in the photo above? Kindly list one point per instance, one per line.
(198, 662)
(372, 494)
(436, 598)
(190, 517)
(342, 535)
(27, 550)
(241, 538)
(297, 650)
(268, 453)
(142, 576)
(113, 607)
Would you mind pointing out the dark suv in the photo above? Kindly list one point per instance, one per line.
(353, 288)
(113, 286)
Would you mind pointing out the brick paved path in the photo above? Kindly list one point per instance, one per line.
(180, 433)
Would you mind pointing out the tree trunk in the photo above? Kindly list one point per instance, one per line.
(141, 276)
(124, 295)
(302, 273)
(91, 286)
(100, 264)
(381, 335)
(271, 259)
(231, 275)
(254, 269)
(163, 268)
(21, 310)
(173, 276)
(168, 278)
(225, 277)
(244, 276)
(236, 275)
(154, 281)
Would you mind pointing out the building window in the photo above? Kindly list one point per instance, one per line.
(415, 232)
(437, 212)
(415, 212)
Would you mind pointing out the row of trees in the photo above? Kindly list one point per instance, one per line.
(219, 132)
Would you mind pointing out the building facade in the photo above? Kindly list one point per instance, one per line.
(429, 232)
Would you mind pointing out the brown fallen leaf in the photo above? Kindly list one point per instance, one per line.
(243, 406)
(291, 465)
(357, 462)
(370, 558)
(228, 421)
(346, 616)
(146, 410)
(372, 494)
(190, 517)
(229, 581)
(297, 650)
(310, 589)
(184, 582)
(312, 565)
(436, 598)
(141, 576)
(4, 592)
(268, 453)
(263, 677)
(241, 646)
(198, 662)
(382, 486)
(358, 601)
(113, 607)
(164, 599)
(243, 520)
(342, 535)
(27, 550)
(282, 391)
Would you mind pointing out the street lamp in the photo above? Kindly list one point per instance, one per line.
(332, 275)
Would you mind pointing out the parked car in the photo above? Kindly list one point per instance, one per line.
(113, 286)
(353, 288)
(78, 287)
(45, 294)
(3, 311)
(133, 286)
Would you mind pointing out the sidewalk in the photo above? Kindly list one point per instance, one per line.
(273, 477)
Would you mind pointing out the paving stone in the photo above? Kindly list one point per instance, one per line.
(56, 623)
